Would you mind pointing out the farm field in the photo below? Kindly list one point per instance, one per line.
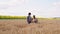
(20, 26)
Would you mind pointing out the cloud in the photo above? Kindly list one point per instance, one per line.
(12, 7)
(57, 5)
(54, 9)
(11, 3)
(18, 7)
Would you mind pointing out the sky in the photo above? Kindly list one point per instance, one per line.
(44, 8)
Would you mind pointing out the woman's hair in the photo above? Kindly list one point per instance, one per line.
(34, 16)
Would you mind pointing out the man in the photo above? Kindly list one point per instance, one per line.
(29, 18)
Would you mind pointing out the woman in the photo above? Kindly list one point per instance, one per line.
(35, 20)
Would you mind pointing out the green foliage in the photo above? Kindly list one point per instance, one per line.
(24, 17)
(12, 17)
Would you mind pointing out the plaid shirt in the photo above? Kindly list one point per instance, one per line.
(29, 18)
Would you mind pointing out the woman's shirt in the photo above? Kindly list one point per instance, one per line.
(35, 20)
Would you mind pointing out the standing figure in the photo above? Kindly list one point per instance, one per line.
(29, 18)
(35, 20)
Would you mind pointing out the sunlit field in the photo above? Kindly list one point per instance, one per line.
(20, 26)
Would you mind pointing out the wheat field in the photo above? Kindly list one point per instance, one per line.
(20, 26)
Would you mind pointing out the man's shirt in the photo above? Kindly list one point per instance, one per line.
(29, 18)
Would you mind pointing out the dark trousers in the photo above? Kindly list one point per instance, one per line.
(29, 22)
